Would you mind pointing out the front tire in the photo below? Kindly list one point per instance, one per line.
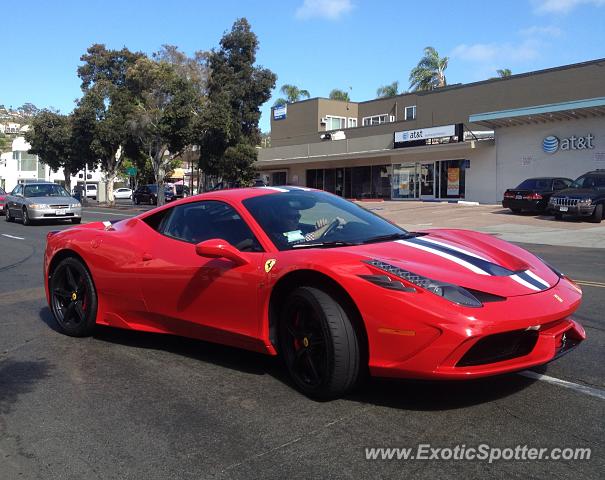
(558, 216)
(597, 215)
(75, 221)
(26, 220)
(73, 298)
(515, 210)
(7, 216)
(319, 344)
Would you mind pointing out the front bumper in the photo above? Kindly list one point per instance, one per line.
(579, 210)
(435, 343)
(50, 214)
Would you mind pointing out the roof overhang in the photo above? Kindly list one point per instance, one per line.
(396, 154)
(577, 109)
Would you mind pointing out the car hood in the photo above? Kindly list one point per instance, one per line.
(468, 259)
(576, 192)
(51, 200)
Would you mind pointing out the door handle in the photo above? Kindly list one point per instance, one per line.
(147, 257)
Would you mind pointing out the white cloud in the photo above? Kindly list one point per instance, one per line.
(498, 53)
(546, 31)
(563, 6)
(328, 9)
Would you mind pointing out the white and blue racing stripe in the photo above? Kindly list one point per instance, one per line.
(475, 263)
(443, 254)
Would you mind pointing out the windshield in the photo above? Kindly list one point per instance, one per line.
(590, 181)
(298, 219)
(535, 184)
(45, 190)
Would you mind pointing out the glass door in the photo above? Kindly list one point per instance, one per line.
(426, 174)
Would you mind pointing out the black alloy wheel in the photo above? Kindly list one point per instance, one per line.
(7, 215)
(318, 343)
(73, 298)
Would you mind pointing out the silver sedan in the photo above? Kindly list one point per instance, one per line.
(42, 201)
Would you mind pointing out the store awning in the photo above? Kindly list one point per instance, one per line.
(587, 108)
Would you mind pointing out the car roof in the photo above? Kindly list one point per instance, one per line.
(233, 195)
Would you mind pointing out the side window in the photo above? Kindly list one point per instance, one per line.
(559, 184)
(17, 190)
(567, 182)
(200, 221)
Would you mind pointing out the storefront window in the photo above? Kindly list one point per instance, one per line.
(353, 182)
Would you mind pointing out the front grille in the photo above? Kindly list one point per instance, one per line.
(500, 347)
(58, 206)
(565, 201)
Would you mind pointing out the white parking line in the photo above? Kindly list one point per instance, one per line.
(595, 392)
(12, 236)
(108, 213)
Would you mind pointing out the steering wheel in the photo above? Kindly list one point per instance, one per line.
(330, 227)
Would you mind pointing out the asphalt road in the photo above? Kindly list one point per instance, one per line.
(128, 405)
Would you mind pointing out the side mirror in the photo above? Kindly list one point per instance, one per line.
(219, 248)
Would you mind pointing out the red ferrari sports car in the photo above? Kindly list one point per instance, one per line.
(335, 289)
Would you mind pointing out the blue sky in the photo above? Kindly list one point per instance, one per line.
(315, 44)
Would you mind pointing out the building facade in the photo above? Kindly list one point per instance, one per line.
(20, 166)
(468, 142)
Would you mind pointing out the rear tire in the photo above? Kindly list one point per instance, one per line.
(137, 201)
(319, 344)
(597, 215)
(73, 298)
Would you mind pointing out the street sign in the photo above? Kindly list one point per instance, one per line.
(131, 171)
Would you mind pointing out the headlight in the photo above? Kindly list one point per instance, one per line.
(551, 200)
(450, 292)
(37, 206)
(585, 201)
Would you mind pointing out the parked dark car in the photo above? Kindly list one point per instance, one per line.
(533, 194)
(149, 194)
(585, 198)
(182, 191)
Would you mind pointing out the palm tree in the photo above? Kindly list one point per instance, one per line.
(292, 93)
(430, 71)
(504, 72)
(391, 90)
(341, 95)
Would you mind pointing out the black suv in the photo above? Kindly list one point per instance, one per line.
(585, 197)
(149, 194)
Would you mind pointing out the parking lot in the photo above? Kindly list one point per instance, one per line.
(134, 405)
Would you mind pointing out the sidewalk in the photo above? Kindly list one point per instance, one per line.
(524, 228)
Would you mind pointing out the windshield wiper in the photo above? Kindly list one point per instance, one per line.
(391, 236)
(324, 244)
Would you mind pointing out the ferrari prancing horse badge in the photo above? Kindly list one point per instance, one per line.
(269, 264)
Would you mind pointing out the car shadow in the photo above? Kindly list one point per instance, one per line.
(392, 393)
(538, 216)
